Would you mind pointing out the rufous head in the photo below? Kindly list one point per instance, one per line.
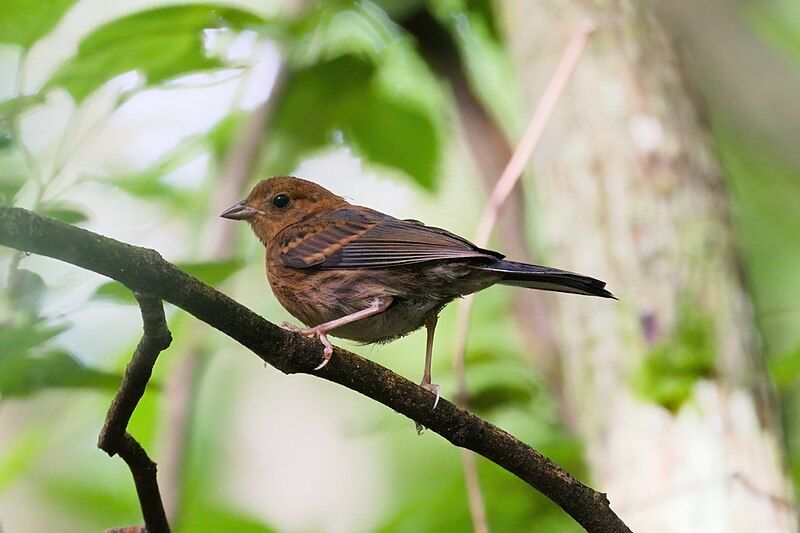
(276, 203)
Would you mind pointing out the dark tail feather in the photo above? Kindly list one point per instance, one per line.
(547, 279)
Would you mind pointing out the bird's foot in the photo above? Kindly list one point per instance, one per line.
(327, 352)
(433, 388)
(318, 332)
(294, 329)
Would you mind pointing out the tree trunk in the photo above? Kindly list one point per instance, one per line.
(666, 386)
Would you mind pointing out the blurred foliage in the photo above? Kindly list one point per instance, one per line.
(21, 456)
(161, 43)
(368, 88)
(65, 212)
(25, 293)
(778, 21)
(19, 24)
(486, 63)
(354, 77)
(22, 374)
(764, 192)
(29, 363)
(11, 108)
(667, 375)
(10, 185)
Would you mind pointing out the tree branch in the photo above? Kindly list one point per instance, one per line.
(145, 271)
(114, 438)
(239, 166)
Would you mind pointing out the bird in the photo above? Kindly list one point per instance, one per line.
(355, 273)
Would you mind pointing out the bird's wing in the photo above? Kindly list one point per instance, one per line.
(363, 238)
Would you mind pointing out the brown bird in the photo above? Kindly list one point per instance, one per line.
(359, 274)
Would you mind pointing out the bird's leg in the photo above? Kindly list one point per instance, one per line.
(426, 384)
(321, 331)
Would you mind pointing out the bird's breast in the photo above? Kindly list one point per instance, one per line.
(316, 295)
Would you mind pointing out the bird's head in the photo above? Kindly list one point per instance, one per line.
(277, 203)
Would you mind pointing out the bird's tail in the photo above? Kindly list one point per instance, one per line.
(547, 279)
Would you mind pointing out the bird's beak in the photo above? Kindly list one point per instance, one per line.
(240, 211)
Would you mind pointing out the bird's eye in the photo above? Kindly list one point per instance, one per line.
(281, 201)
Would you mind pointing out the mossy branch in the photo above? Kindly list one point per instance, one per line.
(145, 271)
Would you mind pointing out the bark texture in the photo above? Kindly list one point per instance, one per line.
(629, 190)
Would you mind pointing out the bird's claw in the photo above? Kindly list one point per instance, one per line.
(294, 329)
(434, 388)
(318, 332)
(326, 353)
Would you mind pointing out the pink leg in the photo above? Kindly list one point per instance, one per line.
(426, 384)
(320, 331)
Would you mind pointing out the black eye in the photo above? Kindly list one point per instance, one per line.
(281, 201)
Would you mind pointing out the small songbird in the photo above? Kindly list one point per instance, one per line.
(355, 273)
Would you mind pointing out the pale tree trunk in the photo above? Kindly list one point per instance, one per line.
(629, 189)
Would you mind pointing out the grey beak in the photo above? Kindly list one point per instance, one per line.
(240, 211)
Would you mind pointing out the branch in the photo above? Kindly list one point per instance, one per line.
(145, 271)
(114, 438)
(239, 165)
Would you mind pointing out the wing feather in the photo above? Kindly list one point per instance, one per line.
(363, 238)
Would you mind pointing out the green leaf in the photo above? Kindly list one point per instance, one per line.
(150, 185)
(65, 212)
(668, 374)
(20, 338)
(212, 272)
(10, 184)
(347, 101)
(209, 272)
(499, 395)
(401, 9)
(23, 374)
(24, 22)
(488, 67)
(26, 294)
(331, 31)
(12, 107)
(6, 141)
(161, 43)
(357, 79)
(114, 291)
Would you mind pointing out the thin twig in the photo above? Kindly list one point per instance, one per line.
(114, 438)
(534, 132)
(477, 507)
(145, 271)
(505, 184)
